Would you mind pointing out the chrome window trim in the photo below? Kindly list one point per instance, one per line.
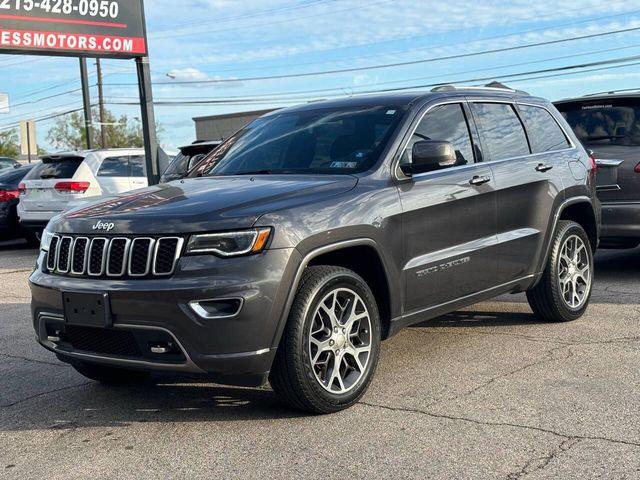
(62, 239)
(175, 258)
(73, 255)
(150, 256)
(104, 256)
(125, 254)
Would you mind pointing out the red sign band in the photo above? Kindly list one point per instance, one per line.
(71, 42)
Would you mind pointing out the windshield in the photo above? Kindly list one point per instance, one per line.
(324, 141)
(605, 123)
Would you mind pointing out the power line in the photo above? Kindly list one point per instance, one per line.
(218, 21)
(398, 52)
(564, 70)
(278, 22)
(396, 64)
(354, 89)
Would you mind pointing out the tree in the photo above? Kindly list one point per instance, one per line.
(69, 132)
(9, 144)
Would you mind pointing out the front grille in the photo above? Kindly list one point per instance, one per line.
(116, 257)
(103, 341)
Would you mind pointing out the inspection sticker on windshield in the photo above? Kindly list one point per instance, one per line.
(344, 164)
(391, 112)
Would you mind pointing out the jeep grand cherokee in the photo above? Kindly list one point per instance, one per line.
(316, 232)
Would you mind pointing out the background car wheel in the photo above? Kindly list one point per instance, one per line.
(109, 375)
(564, 291)
(331, 343)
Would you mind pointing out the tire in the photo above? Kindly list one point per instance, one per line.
(303, 373)
(563, 293)
(109, 375)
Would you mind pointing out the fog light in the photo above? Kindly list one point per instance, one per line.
(218, 308)
(160, 347)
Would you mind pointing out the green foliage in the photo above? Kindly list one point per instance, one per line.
(9, 146)
(69, 133)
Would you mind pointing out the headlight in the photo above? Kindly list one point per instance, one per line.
(45, 240)
(230, 244)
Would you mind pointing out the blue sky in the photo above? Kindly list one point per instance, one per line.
(231, 41)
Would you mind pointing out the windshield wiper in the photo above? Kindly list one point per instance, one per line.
(283, 171)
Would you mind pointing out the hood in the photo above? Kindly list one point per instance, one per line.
(202, 204)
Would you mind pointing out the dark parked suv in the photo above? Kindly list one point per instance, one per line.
(317, 231)
(609, 124)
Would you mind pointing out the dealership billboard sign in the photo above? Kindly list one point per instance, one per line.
(94, 28)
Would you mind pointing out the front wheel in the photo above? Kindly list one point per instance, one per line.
(565, 288)
(331, 343)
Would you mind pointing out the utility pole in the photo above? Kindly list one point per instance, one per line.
(86, 101)
(148, 120)
(103, 132)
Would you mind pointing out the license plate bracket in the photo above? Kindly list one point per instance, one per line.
(87, 309)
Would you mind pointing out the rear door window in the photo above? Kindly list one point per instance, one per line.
(501, 130)
(54, 170)
(545, 134)
(114, 167)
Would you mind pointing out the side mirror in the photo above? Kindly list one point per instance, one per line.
(429, 155)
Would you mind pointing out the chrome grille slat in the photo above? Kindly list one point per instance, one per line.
(149, 256)
(97, 245)
(79, 252)
(114, 257)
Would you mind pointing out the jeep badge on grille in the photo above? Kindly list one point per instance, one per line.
(107, 227)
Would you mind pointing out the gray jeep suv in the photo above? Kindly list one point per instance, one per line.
(317, 231)
(609, 124)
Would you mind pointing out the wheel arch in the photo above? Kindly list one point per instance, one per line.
(582, 212)
(360, 255)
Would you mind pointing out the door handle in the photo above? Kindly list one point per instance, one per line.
(543, 167)
(480, 180)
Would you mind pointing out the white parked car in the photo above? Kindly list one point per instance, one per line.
(69, 177)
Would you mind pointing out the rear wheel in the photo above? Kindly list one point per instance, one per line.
(109, 375)
(564, 291)
(330, 346)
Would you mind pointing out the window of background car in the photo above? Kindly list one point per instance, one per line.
(446, 123)
(604, 123)
(545, 134)
(114, 167)
(501, 130)
(55, 169)
(325, 141)
(137, 166)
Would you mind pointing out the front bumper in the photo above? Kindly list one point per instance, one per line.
(620, 222)
(232, 350)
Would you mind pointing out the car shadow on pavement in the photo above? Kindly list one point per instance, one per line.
(159, 399)
(472, 318)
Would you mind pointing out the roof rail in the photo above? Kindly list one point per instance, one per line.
(491, 88)
(612, 92)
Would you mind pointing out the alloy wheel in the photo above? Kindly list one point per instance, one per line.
(340, 340)
(574, 272)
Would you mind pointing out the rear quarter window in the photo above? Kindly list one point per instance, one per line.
(58, 169)
(545, 134)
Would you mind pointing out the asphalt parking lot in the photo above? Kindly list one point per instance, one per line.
(489, 392)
